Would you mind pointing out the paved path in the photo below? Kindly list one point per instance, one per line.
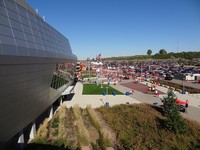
(96, 100)
(194, 99)
(140, 96)
(187, 83)
(193, 111)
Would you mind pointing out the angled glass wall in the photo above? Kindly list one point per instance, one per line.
(63, 75)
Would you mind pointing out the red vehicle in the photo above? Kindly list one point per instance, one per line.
(178, 101)
(182, 105)
(197, 81)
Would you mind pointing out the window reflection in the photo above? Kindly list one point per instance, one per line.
(63, 75)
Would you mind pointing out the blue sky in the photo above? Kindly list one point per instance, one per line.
(124, 27)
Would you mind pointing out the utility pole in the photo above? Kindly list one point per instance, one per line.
(106, 93)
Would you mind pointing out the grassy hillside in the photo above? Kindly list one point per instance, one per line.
(124, 127)
(141, 127)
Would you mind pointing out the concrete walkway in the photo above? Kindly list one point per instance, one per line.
(193, 111)
(194, 99)
(96, 100)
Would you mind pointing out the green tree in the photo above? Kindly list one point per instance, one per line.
(174, 121)
(162, 51)
(149, 52)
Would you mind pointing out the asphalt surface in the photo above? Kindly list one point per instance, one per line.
(186, 83)
(192, 112)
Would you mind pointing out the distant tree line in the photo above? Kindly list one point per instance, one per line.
(161, 55)
(172, 55)
(128, 57)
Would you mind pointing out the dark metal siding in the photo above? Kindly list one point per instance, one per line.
(29, 52)
(24, 94)
(29, 34)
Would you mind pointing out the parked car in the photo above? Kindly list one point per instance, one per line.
(126, 78)
(168, 77)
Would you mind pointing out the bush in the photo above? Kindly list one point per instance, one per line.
(174, 121)
(62, 143)
(55, 122)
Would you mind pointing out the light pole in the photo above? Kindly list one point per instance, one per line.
(106, 93)
(101, 85)
(88, 59)
(183, 87)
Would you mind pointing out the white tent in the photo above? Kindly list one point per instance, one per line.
(97, 63)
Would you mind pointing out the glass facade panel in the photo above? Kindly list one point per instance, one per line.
(63, 74)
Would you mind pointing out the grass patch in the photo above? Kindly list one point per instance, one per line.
(141, 127)
(55, 122)
(97, 90)
(87, 76)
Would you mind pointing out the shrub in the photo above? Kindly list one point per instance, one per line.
(55, 122)
(174, 121)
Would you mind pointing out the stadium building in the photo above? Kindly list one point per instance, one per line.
(36, 67)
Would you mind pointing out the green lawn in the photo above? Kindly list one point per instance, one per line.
(97, 90)
(87, 76)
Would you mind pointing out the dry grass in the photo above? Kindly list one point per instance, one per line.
(94, 134)
(71, 130)
(101, 127)
(141, 127)
(138, 126)
(84, 137)
(61, 127)
(42, 133)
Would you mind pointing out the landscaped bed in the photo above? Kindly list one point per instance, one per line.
(125, 127)
(141, 126)
(95, 89)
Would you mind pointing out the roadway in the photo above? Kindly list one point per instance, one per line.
(192, 112)
(187, 83)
